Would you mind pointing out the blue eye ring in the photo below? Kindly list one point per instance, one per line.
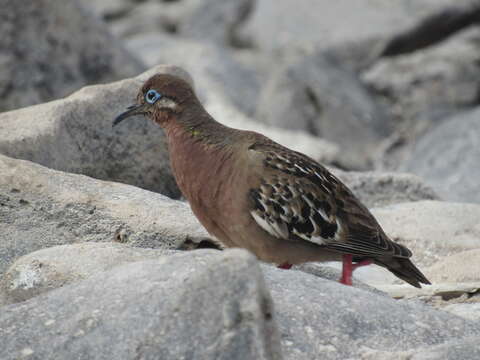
(152, 96)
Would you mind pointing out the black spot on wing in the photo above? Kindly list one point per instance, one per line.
(305, 227)
(327, 229)
(255, 196)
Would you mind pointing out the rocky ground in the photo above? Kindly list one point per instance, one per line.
(101, 259)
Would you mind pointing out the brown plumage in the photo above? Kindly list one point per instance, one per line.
(251, 192)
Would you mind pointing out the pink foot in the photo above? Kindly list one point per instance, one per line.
(348, 268)
(285, 266)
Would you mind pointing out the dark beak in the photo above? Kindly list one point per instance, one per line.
(137, 109)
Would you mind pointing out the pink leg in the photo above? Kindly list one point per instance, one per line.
(285, 266)
(348, 268)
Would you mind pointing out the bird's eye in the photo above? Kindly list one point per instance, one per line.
(152, 96)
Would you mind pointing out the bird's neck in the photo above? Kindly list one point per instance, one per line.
(199, 149)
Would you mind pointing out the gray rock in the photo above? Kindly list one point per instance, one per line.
(216, 72)
(148, 17)
(424, 88)
(432, 229)
(75, 134)
(318, 316)
(202, 305)
(43, 57)
(315, 95)
(460, 267)
(212, 20)
(469, 311)
(216, 20)
(467, 349)
(447, 157)
(305, 24)
(109, 9)
(377, 189)
(57, 266)
(440, 76)
(40, 208)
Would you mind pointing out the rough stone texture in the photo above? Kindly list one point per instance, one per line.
(467, 349)
(318, 316)
(432, 229)
(57, 266)
(75, 134)
(109, 9)
(215, 71)
(42, 56)
(423, 88)
(466, 310)
(217, 18)
(306, 24)
(212, 20)
(202, 305)
(376, 189)
(40, 208)
(447, 157)
(437, 77)
(457, 268)
(315, 95)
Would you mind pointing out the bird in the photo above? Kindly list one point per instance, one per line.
(250, 192)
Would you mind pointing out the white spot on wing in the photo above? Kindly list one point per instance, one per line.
(264, 224)
(318, 240)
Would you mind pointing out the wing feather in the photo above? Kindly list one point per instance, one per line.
(300, 200)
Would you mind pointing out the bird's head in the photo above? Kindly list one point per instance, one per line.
(162, 98)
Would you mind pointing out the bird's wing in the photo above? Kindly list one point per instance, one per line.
(300, 200)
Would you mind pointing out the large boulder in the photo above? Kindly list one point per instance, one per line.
(218, 304)
(317, 96)
(213, 20)
(424, 88)
(75, 134)
(317, 316)
(448, 157)
(43, 57)
(337, 27)
(202, 305)
(40, 208)
(57, 266)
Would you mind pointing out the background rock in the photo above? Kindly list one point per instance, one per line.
(43, 57)
(432, 229)
(377, 189)
(317, 96)
(461, 267)
(40, 208)
(216, 72)
(191, 19)
(309, 24)
(54, 267)
(447, 157)
(76, 135)
(215, 302)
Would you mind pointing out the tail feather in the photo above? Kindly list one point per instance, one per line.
(404, 269)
